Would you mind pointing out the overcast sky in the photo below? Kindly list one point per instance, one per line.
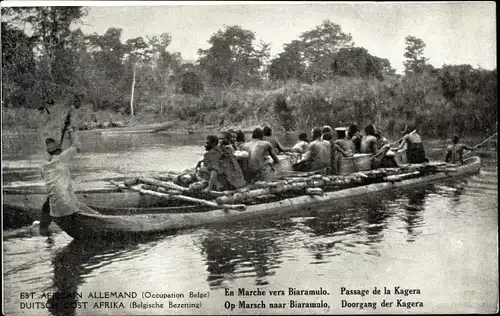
(455, 33)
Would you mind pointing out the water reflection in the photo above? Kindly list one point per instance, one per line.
(413, 216)
(73, 263)
(242, 252)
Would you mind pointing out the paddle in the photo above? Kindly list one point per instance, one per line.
(67, 122)
(76, 103)
(482, 143)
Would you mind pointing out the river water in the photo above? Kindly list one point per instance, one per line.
(441, 240)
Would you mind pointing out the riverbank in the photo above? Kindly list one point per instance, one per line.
(26, 121)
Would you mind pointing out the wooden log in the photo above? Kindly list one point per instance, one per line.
(189, 199)
(401, 177)
(120, 186)
(163, 190)
(130, 182)
(150, 187)
(314, 191)
(162, 184)
(264, 198)
(170, 185)
(240, 197)
(167, 177)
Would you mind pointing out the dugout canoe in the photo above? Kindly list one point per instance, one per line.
(29, 200)
(144, 221)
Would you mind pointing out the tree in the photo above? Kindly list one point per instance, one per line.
(323, 41)
(105, 72)
(18, 67)
(164, 64)
(51, 35)
(137, 51)
(232, 57)
(290, 64)
(357, 62)
(191, 83)
(414, 53)
(311, 57)
(108, 53)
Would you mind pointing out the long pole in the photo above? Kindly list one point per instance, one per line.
(381, 151)
(482, 143)
(65, 127)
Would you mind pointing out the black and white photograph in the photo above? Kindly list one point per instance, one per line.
(249, 158)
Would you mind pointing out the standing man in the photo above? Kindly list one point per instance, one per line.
(259, 167)
(454, 152)
(415, 152)
(61, 200)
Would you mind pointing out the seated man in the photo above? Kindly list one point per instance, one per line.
(369, 145)
(302, 144)
(355, 136)
(342, 144)
(259, 167)
(226, 141)
(318, 155)
(240, 140)
(454, 152)
(225, 172)
(274, 141)
(325, 129)
(388, 159)
(333, 165)
(342, 147)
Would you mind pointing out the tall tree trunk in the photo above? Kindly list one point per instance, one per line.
(132, 92)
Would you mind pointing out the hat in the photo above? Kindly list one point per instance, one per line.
(341, 129)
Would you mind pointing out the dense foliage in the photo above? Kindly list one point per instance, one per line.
(319, 78)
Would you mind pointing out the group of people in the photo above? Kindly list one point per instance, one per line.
(324, 152)
(231, 162)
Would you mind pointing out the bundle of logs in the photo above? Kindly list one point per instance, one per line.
(187, 187)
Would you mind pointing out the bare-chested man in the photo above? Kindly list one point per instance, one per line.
(344, 146)
(259, 167)
(369, 144)
(454, 152)
(415, 152)
(268, 136)
(355, 136)
(318, 154)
